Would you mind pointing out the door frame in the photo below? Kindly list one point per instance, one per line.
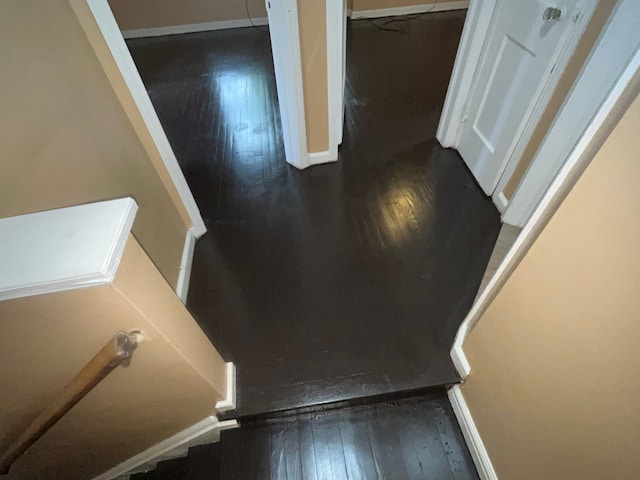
(623, 86)
(606, 61)
(107, 41)
(470, 57)
(336, 18)
(287, 62)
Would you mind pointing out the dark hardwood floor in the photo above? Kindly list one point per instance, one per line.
(344, 280)
(410, 439)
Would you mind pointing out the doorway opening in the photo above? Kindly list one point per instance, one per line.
(216, 96)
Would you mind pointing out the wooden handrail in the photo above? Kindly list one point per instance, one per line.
(117, 351)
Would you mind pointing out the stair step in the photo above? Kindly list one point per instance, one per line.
(167, 470)
(352, 402)
(408, 437)
(203, 462)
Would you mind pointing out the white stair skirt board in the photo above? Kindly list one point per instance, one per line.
(202, 433)
(63, 249)
(471, 434)
(182, 288)
(194, 27)
(229, 403)
(425, 8)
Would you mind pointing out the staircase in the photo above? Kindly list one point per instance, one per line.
(416, 437)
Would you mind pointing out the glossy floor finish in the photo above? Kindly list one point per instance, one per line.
(412, 439)
(343, 280)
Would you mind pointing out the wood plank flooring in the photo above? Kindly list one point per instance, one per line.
(411, 439)
(343, 280)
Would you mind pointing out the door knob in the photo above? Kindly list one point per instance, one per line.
(551, 14)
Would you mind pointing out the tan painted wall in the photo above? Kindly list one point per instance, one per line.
(554, 385)
(591, 33)
(172, 382)
(134, 14)
(65, 137)
(313, 44)
(137, 14)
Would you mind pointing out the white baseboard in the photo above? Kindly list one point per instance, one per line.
(193, 27)
(471, 434)
(229, 403)
(318, 158)
(204, 432)
(182, 288)
(500, 202)
(392, 12)
(460, 360)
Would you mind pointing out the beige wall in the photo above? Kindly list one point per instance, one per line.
(134, 14)
(554, 385)
(173, 381)
(591, 33)
(313, 44)
(67, 140)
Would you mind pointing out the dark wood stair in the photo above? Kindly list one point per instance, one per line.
(416, 437)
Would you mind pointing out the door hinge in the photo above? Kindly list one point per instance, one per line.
(465, 117)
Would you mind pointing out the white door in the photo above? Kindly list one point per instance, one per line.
(520, 47)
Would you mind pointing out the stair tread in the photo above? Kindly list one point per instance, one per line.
(203, 462)
(414, 437)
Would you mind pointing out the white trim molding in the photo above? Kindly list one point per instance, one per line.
(471, 434)
(335, 22)
(287, 62)
(319, 158)
(117, 51)
(63, 249)
(182, 288)
(624, 89)
(204, 432)
(410, 10)
(194, 27)
(229, 403)
(468, 56)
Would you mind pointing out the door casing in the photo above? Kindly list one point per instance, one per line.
(468, 59)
